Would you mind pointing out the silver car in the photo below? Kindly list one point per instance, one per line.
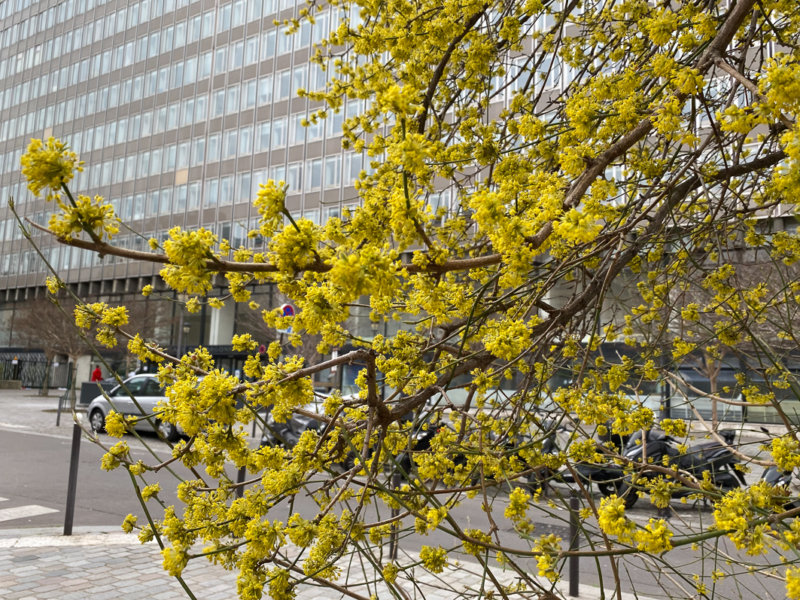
(148, 392)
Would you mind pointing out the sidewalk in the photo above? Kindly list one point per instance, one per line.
(102, 565)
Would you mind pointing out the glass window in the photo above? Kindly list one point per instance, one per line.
(243, 187)
(268, 44)
(226, 190)
(298, 132)
(218, 103)
(180, 198)
(169, 157)
(152, 45)
(172, 116)
(246, 140)
(194, 195)
(177, 75)
(213, 151)
(313, 174)
(200, 106)
(208, 23)
(265, 90)
(285, 43)
(204, 69)
(251, 50)
(163, 79)
(232, 100)
(333, 171)
(283, 85)
(237, 55)
(249, 94)
(211, 192)
(223, 18)
(230, 143)
(278, 133)
(165, 206)
(237, 18)
(294, 177)
(262, 137)
(182, 160)
(298, 79)
(221, 60)
(198, 150)
(187, 112)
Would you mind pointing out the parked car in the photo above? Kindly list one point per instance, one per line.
(147, 391)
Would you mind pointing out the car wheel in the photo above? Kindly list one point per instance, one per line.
(168, 431)
(97, 421)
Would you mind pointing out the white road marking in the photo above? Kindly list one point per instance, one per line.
(3, 499)
(20, 512)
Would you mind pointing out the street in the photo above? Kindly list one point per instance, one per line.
(33, 484)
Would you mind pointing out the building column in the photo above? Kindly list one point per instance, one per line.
(221, 326)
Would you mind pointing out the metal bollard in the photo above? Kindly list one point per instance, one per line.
(574, 573)
(72, 483)
(240, 480)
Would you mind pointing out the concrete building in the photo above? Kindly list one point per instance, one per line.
(178, 109)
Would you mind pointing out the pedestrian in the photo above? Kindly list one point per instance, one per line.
(97, 374)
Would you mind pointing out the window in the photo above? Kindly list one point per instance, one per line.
(182, 160)
(198, 150)
(246, 140)
(190, 70)
(251, 50)
(262, 137)
(230, 143)
(187, 112)
(232, 100)
(298, 132)
(226, 190)
(268, 44)
(221, 60)
(218, 103)
(298, 79)
(278, 133)
(265, 90)
(294, 177)
(200, 108)
(283, 84)
(249, 94)
(237, 55)
(333, 171)
(194, 195)
(204, 69)
(313, 174)
(180, 198)
(152, 46)
(243, 182)
(211, 192)
(213, 150)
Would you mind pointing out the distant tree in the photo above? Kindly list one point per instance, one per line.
(47, 326)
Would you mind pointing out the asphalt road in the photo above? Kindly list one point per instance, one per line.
(33, 484)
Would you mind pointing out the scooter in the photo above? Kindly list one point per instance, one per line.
(606, 476)
(706, 457)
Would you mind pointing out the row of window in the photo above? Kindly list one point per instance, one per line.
(244, 141)
(127, 17)
(63, 258)
(179, 73)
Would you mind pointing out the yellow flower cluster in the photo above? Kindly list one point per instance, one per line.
(49, 165)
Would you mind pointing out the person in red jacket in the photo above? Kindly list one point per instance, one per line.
(97, 374)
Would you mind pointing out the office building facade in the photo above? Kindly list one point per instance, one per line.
(179, 110)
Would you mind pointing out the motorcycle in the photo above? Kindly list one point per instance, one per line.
(606, 476)
(705, 457)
